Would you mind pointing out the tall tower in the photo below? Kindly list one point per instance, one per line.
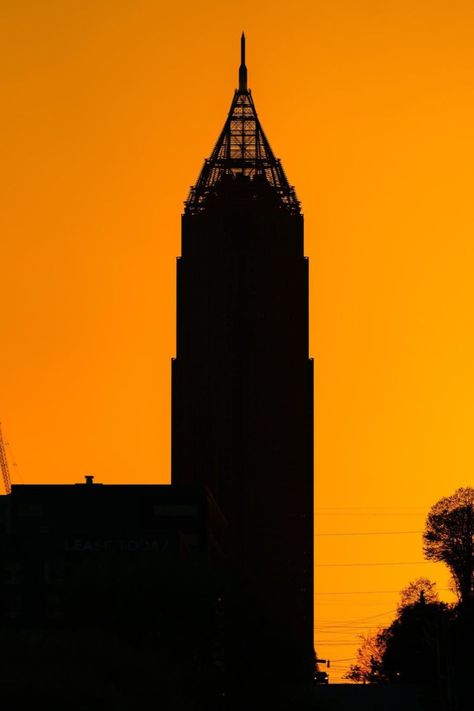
(242, 383)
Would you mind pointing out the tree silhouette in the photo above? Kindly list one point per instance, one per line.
(449, 537)
(368, 668)
(408, 650)
(414, 641)
(421, 589)
(430, 643)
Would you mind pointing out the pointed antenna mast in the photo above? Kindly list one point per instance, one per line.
(242, 68)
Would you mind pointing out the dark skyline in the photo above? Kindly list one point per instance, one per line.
(108, 116)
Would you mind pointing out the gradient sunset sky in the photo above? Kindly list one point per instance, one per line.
(108, 110)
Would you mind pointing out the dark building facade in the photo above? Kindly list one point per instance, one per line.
(49, 534)
(242, 384)
(108, 597)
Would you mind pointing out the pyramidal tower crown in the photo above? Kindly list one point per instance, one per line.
(242, 151)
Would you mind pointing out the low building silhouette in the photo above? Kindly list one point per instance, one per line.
(109, 597)
(49, 531)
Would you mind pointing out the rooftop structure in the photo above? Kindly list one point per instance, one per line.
(242, 149)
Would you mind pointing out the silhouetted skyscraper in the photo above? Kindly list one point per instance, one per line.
(242, 383)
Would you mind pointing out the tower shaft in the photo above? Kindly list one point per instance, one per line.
(242, 388)
(242, 405)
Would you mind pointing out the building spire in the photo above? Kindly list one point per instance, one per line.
(242, 151)
(242, 68)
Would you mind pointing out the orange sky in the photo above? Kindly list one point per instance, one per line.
(108, 109)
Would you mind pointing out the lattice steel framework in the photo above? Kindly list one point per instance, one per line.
(242, 149)
(4, 464)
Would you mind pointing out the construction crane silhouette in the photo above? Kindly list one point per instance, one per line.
(4, 464)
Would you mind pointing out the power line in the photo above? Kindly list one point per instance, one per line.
(335, 642)
(341, 644)
(367, 533)
(342, 602)
(357, 592)
(352, 565)
(370, 513)
(369, 617)
(369, 508)
(349, 630)
(363, 592)
(333, 628)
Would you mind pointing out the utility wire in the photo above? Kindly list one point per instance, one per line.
(367, 513)
(367, 533)
(341, 644)
(363, 592)
(369, 617)
(368, 508)
(352, 565)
